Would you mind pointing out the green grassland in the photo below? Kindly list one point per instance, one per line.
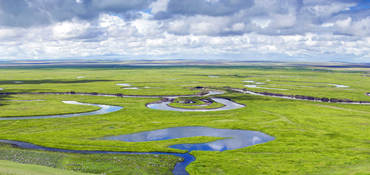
(88, 163)
(48, 105)
(165, 81)
(310, 137)
(11, 168)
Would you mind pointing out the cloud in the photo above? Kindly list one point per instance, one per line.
(119, 6)
(159, 6)
(261, 29)
(204, 7)
(26, 13)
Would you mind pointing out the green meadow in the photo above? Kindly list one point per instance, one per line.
(11, 168)
(310, 137)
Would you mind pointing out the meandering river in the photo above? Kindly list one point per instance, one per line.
(104, 109)
(228, 105)
(230, 139)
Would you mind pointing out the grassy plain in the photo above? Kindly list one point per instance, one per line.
(11, 168)
(311, 137)
(31, 105)
(88, 163)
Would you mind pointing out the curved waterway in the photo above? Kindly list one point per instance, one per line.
(178, 170)
(235, 139)
(231, 139)
(300, 97)
(104, 109)
(212, 92)
(228, 105)
(161, 105)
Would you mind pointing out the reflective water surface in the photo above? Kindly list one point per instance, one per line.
(232, 139)
(339, 85)
(228, 106)
(123, 84)
(256, 86)
(104, 109)
(131, 88)
(179, 168)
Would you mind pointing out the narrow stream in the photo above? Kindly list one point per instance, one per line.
(234, 138)
(292, 97)
(228, 105)
(179, 168)
(230, 140)
(104, 109)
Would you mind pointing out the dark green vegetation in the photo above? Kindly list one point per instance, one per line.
(195, 103)
(91, 163)
(12, 168)
(311, 137)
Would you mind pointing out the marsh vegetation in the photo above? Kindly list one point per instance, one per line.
(311, 137)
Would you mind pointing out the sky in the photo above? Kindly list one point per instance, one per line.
(276, 30)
